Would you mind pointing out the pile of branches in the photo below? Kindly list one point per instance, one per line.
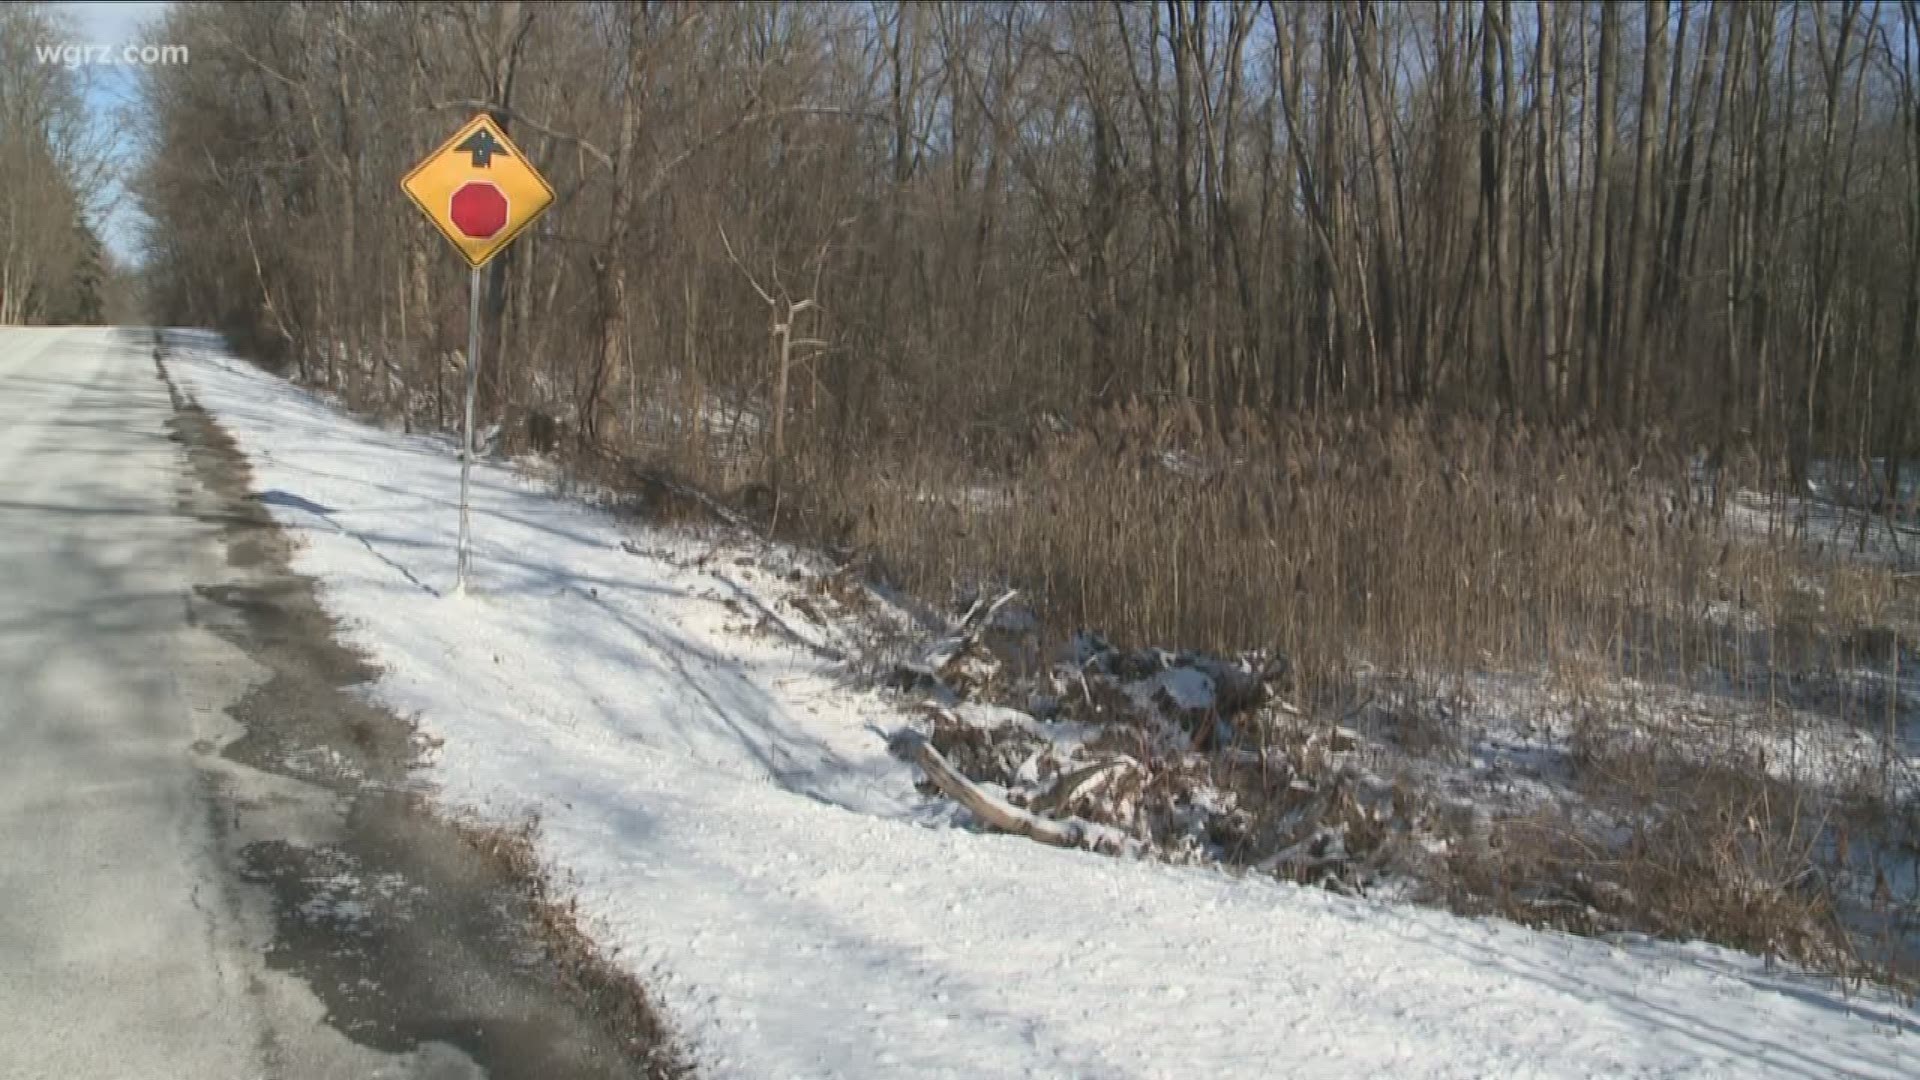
(1189, 757)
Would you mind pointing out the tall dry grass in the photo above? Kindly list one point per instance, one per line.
(1410, 542)
(1448, 547)
(1443, 548)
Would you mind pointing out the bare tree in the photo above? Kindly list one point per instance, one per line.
(1043, 211)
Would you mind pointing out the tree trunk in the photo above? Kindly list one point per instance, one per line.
(610, 263)
(1548, 227)
(1640, 227)
(1495, 124)
(1595, 340)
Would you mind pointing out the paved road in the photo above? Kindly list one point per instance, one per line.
(127, 947)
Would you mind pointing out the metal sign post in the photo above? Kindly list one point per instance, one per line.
(466, 428)
(480, 192)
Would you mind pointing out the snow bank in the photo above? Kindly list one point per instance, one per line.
(724, 801)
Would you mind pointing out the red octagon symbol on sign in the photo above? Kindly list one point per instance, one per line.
(478, 210)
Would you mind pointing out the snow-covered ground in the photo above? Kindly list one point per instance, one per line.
(717, 788)
(1829, 528)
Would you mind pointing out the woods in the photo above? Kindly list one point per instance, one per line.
(875, 271)
(53, 166)
(1696, 217)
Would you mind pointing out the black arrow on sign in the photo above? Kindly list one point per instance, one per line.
(482, 145)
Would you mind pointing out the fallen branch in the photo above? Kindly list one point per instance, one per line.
(997, 813)
(972, 625)
(1073, 784)
(938, 659)
(1301, 854)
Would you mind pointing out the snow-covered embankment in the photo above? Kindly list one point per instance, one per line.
(733, 825)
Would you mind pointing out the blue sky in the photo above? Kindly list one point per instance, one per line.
(110, 91)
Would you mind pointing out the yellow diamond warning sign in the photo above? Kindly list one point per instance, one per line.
(479, 190)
